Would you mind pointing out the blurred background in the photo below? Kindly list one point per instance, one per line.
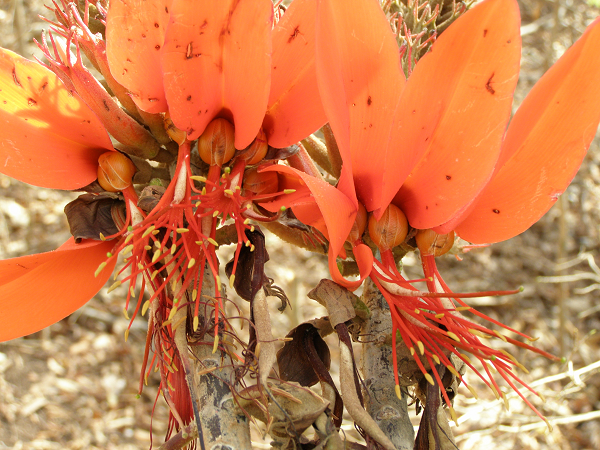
(74, 384)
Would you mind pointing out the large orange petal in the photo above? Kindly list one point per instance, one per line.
(294, 109)
(39, 290)
(454, 111)
(135, 34)
(48, 136)
(544, 146)
(360, 81)
(217, 62)
(337, 209)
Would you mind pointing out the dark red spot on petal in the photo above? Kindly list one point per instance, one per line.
(488, 85)
(496, 211)
(369, 100)
(485, 33)
(448, 177)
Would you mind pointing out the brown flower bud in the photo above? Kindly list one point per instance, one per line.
(257, 150)
(115, 171)
(216, 145)
(360, 223)
(431, 243)
(260, 183)
(391, 230)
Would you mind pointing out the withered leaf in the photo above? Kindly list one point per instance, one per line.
(434, 431)
(150, 197)
(250, 274)
(91, 214)
(295, 359)
(338, 300)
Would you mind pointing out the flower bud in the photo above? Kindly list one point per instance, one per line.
(360, 223)
(257, 150)
(115, 171)
(260, 183)
(174, 133)
(216, 145)
(431, 243)
(391, 230)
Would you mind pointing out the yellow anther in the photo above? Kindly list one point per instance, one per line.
(478, 333)
(212, 241)
(203, 192)
(466, 358)
(451, 335)
(198, 178)
(115, 285)
(439, 316)
(157, 244)
(147, 248)
(435, 359)
(252, 248)
(191, 263)
(155, 232)
(145, 307)
(421, 347)
(216, 344)
(398, 392)
(182, 230)
(473, 393)
(412, 351)
(247, 243)
(132, 291)
(154, 275)
(140, 266)
(218, 280)
(252, 228)
(231, 281)
(453, 371)
(228, 192)
(127, 249)
(216, 213)
(126, 334)
(195, 323)
(172, 313)
(102, 237)
(149, 230)
(246, 222)
(500, 335)
(125, 314)
(463, 308)
(194, 295)
(173, 249)
(453, 415)
(128, 238)
(429, 379)
(156, 255)
(99, 269)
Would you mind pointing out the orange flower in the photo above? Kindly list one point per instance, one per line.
(435, 145)
(49, 138)
(202, 60)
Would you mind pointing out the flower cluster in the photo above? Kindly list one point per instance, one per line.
(203, 101)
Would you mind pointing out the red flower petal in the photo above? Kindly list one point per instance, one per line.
(48, 136)
(544, 146)
(294, 110)
(39, 290)
(135, 34)
(217, 62)
(360, 80)
(454, 111)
